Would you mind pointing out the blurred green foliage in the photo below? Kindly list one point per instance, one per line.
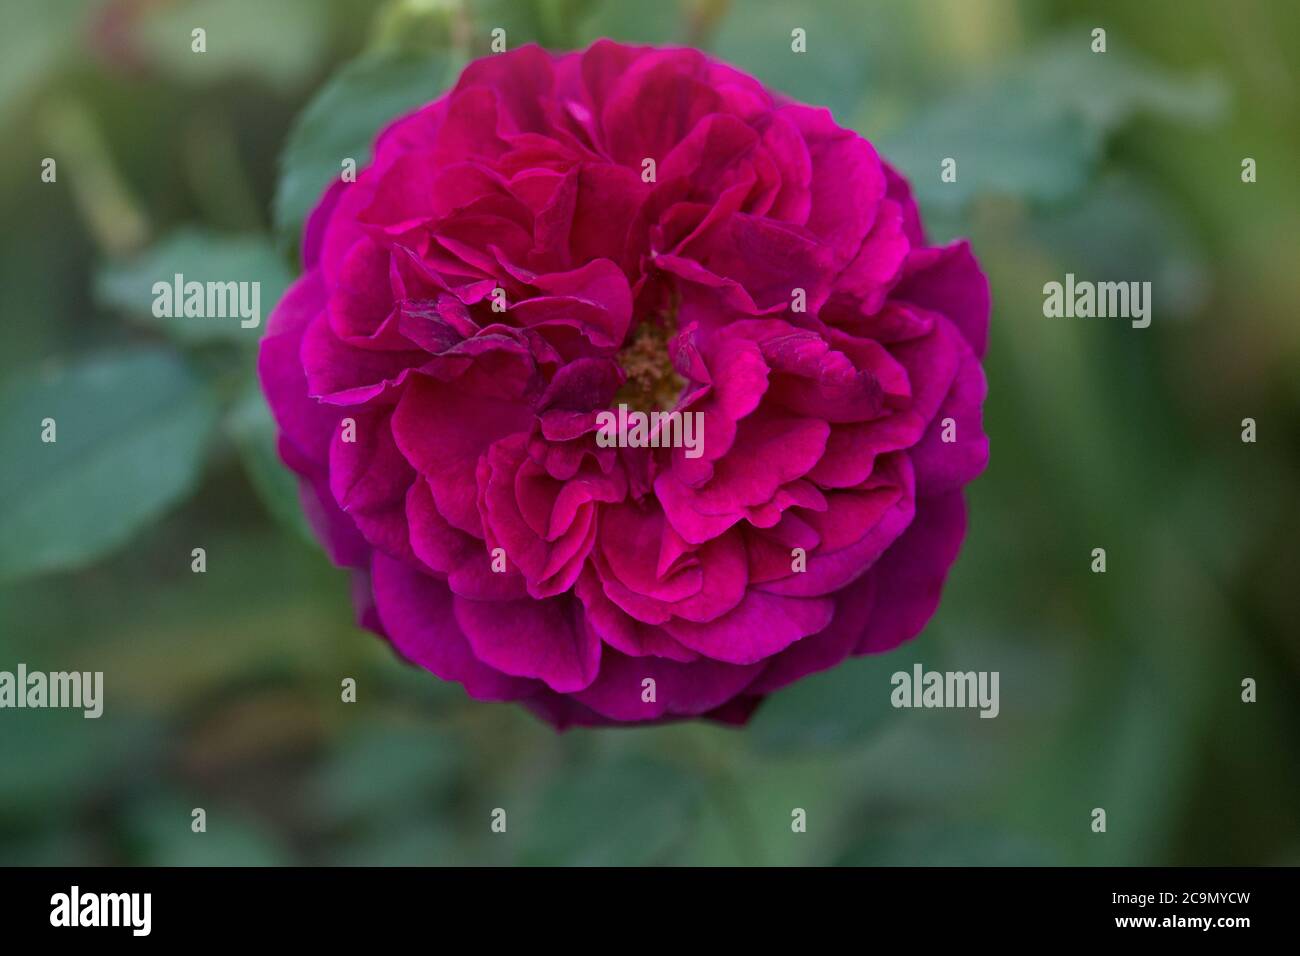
(1119, 690)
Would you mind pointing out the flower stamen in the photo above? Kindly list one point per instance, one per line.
(652, 382)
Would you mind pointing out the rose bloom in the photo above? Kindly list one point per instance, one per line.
(563, 234)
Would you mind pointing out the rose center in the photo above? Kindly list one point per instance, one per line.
(652, 382)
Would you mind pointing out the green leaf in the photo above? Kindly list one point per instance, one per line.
(757, 38)
(413, 764)
(626, 812)
(55, 759)
(254, 433)
(931, 842)
(402, 842)
(1037, 130)
(1110, 89)
(341, 123)
(832, 709)
(198, 255)
(1009, 139)
(1121, 230)
(131, 429)
(159, 830)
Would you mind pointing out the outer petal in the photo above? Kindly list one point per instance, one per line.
(417, 615)
(950, 281)
(909, 578)
(679, 689)
(304, 421)
(530, 638)
(762, 625)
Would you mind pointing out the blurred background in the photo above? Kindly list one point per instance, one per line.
(1119, 690)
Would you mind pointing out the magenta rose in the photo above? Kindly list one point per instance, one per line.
(562, 235)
